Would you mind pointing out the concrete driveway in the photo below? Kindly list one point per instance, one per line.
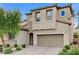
(35, 50)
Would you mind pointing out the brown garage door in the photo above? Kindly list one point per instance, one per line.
(55, 40)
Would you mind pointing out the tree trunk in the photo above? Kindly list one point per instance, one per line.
(3, 42)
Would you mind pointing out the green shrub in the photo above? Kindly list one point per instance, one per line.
(65, 50)
(7, 45)
(0, 45)
(18, 48)
(7, 50)
(73, 51)
(71, 44)
(24, 46)
(62, 53)
(1, 49)
(67, 47)
(76, 34)
(15, 45)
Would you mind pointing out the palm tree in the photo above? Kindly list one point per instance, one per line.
(13, 20)
(9, 23)
(2, 25)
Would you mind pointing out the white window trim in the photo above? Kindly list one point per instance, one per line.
(61, 11)
(47, 16)
(36, 17)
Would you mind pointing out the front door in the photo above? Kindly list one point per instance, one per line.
(31, 38)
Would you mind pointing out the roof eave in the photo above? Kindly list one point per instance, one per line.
(42, 8)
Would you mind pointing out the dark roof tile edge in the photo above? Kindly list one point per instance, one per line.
(49, 7)
(42, 8)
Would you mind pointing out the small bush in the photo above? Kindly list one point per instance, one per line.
(18, 48)
(1, 49)
(73, 51)
(71, 44)
(7, 50)
(24, 46)
(65, 50)
(7, 45)
(15, 45)
(0, 45)
(67, 46)
(62, 53)
(75, 36)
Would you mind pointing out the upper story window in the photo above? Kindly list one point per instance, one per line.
(62, 13)
(37, 16)
(49, 14)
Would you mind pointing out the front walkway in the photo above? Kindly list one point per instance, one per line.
(34, 50)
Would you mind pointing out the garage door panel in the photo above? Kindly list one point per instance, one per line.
(50, 40)
(42, 41)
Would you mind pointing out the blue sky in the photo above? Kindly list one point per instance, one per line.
(26, 7)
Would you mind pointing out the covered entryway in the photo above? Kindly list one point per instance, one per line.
(50, 40)
(31, 39)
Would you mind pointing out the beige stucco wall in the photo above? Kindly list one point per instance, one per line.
(72, 29)
(53, 26)
(50, 24)
(44, 23)
(66, 19)
(60, 29)
(67, 14)
(22, 37)
(29, 23)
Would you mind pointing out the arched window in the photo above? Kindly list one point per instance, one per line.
(62, 13)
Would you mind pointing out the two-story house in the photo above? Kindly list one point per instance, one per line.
(50, 26)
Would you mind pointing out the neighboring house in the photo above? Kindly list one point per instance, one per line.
(50, 26)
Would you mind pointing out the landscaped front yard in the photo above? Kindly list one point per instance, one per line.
(70, 50)
(10, 49)
(35, 50)
(73, 48)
